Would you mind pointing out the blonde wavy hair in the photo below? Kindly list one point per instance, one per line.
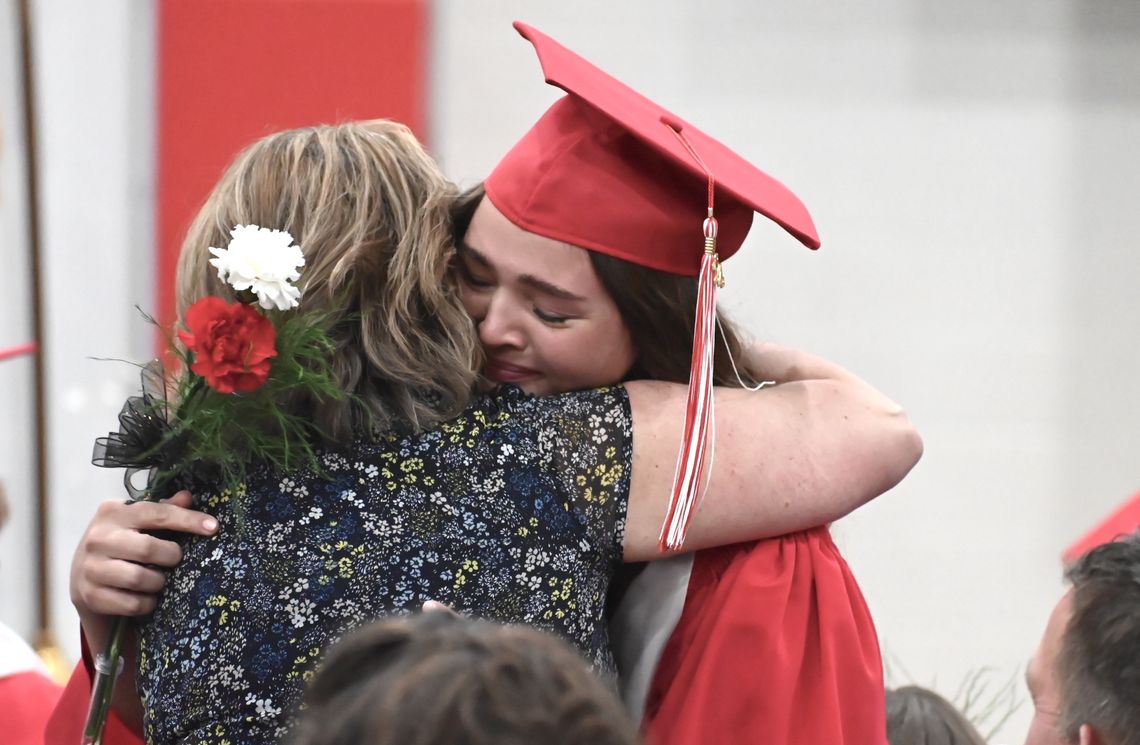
(370, 210)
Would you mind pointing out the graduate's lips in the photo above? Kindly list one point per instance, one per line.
(504, 372)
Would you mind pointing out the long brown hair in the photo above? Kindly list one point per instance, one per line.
(369, 209)
(657, 307)
(437, 679)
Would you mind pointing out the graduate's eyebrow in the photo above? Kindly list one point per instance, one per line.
(537, 283)
(467, 250)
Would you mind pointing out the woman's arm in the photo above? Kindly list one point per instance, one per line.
(117, 571)
(792, 456)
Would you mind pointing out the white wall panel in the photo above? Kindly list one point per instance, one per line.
(95, 97)
(17, 467)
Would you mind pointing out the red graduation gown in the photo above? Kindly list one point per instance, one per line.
(775, 646)
(26, 700)
(27, 694)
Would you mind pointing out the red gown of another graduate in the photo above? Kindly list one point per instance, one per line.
(27, 695)
(26, 700)
(774, 646)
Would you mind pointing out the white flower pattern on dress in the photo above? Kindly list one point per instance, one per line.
(305, 558)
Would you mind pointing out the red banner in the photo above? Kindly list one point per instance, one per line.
(230, 71)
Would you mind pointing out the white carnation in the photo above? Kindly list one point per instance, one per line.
(264, 261)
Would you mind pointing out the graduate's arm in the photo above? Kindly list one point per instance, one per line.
(118, 570)
(789, 457)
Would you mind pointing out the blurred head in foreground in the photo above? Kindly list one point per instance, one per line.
(437, 679)
(919, 716)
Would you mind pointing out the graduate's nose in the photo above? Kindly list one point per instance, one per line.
(499, 326)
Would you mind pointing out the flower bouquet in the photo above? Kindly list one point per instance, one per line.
(224, 409)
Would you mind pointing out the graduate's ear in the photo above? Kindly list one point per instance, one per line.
(1087, 735)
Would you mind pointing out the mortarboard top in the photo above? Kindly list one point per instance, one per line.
(604, 169)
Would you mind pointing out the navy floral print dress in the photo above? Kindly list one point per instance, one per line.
(514, 511)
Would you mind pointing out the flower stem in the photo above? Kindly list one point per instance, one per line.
(107, 668)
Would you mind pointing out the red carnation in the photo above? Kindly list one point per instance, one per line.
(232, 344)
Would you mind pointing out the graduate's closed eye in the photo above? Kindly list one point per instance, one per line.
(553, 318)
(471, 279)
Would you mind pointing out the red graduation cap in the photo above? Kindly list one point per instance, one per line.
(1124, 521)
(608, 170)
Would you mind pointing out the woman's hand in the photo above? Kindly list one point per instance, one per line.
(117, 569)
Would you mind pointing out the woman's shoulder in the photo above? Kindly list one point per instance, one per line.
(508, 407)
(507, 424)
(510, 400)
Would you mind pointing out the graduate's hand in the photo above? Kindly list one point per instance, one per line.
(117, 569)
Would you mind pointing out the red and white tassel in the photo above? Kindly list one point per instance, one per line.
(697, 441)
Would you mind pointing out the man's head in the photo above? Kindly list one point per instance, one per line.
(1085, 676)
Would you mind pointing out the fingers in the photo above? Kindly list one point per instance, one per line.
(172, 514)
(181, 499)
(112, 602)
(126, 576)
(115, 587)
(138, 547)
(117, 566)
(113, 541)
